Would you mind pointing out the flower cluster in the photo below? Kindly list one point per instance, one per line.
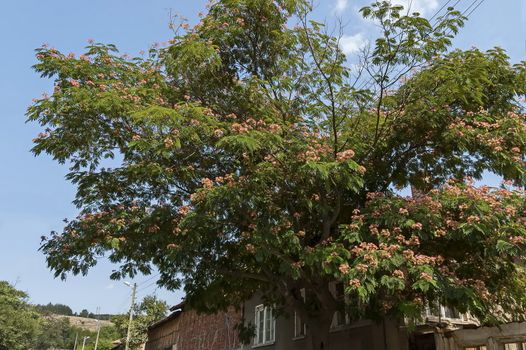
(344, 155)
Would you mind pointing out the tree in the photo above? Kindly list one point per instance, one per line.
(149, 311)
(247, 156)
(57, 309)
(55, 333)
(84, 313)
(18, 320)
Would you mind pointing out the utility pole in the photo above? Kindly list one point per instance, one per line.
(98, 328)
(76, 338)
(84, 341)
(131, 315)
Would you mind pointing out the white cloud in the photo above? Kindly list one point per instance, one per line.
(110, 286)
(341, 5)
(352, 43)
(424, 7)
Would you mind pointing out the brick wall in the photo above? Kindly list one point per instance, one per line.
(189, 330)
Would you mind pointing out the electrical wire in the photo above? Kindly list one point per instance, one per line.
(440, 10)
(434, 26)
(476, 7)
(146, 287)
(149, 279)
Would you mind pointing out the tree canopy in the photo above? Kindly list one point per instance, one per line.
(145, 313)
(18, 320)
(57, 309)
(25, 326)
(247, 156)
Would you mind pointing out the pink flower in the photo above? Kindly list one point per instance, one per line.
(517, 240)
(440, 233)
(184, 210)
(416, 226)
(345, 155)
(414, 240)
(238, 128)
(355, 283)
(473, 218)
(207, 183)
(344, 268)
(196, 196)
(74, 83)
(398, 274)
(362, 267)
(168, 142)
(275, 128)
(426, 276)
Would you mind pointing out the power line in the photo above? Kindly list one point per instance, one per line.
(146, 287)
(476, 7)
(149, 279)
(434, 28)
(464, 12)
(439, 10)
(452, 6)
(124, 303)
(469, 7)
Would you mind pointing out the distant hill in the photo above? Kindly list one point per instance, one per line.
(88, 324)
(61, 309)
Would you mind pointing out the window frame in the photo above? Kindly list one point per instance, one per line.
(300, 332)
(520, 344)
(267, 313)
(341, 318)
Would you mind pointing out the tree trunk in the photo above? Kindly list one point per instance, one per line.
(318, 331)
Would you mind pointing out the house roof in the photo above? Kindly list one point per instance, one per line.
(172, 316)
(178, 306)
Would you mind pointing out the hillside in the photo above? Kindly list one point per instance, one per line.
(89, 324)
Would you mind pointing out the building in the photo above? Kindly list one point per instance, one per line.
(290, 333)
(442, 328)
(185, 329)
(511, 336)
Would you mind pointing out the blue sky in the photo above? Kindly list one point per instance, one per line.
(35, 197)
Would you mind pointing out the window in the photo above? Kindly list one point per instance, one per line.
(515, 346)
(340, 318)
(435, 309)
(300, 328)
(450, 312)
(265, 325)
(480, 347)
